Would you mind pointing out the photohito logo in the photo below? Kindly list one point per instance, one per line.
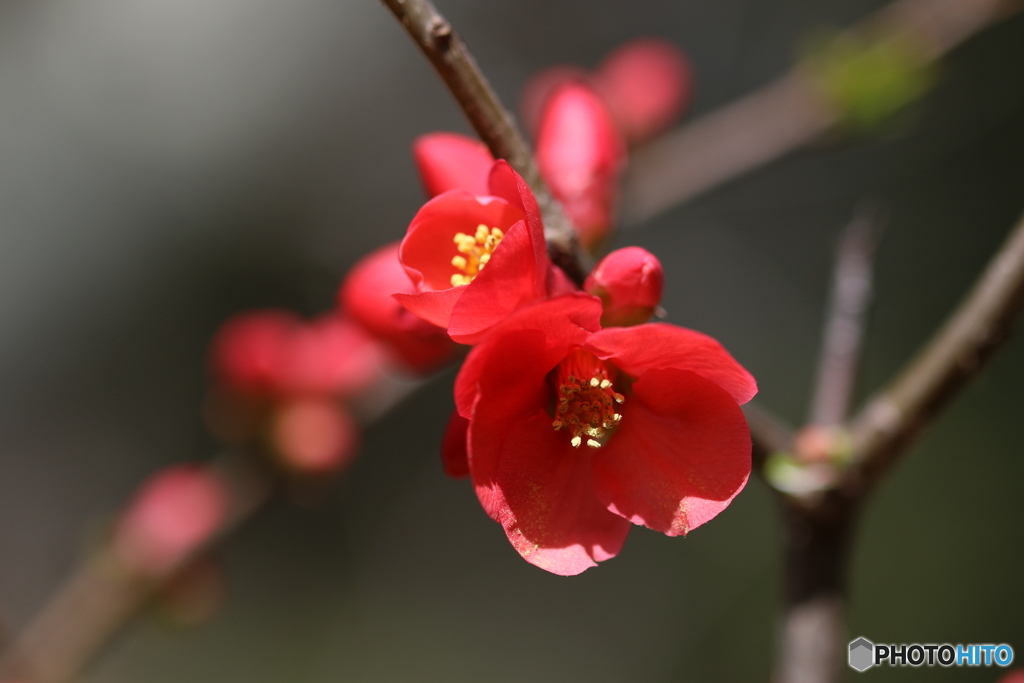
(864, 654)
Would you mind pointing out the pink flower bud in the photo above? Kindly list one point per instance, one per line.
(629, 282)
(580, 154)
(647, 84)
(173, 513)
(328, 356)
(450, 161)
(314, 436)
(365, 295)
(273, 354)
(245, 351)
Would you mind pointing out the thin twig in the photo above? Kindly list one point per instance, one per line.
(100, 596)
(784, 115)
(492, 121)
(846, 319)
(959, 350)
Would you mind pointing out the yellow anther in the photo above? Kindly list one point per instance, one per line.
(474, 252)
(595, 381)
(605, 384)
(576, 441)
(593, 444)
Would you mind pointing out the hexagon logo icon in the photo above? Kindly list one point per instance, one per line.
(862, 654)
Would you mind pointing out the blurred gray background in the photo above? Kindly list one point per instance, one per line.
(164, 164)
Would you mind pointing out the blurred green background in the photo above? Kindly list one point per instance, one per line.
(165, 164)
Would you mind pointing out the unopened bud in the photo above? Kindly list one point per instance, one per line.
(173, 513)
(629, 282)
(580, 153)
(314, 436)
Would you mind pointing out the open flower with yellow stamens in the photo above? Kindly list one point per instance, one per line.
(473, 260)
(575, 431)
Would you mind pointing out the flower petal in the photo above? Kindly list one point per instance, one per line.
(539, 335)
(681, 454)
(454, 456)
(541, 491)
(450, 161)
(656, 346)
(434, 307)
(504, 182)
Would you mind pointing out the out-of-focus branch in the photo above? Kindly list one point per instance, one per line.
(892, 418)
(100, 596)
(846, 318)
(491, 120)
(768, 432)
(786, 114)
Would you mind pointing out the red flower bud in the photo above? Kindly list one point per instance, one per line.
(629, 282)
(646, 83)
(450, 161)
(541, 86)
(314, 436)
(174, 512)
(365, 295)
(580, 154)
(275, 354)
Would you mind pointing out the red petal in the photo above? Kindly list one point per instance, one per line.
(553, 327)
(681, 454)
(434, 307)
(454, 457)
(659, 346)
(429, 246)
(507, 283)
(449, 161)
(541, 491)
(510, 186)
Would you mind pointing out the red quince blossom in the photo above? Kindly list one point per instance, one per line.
(365, 296)
(580, 154)
(629, 282)
(647, 84)
(450, 161)
(575, 432)
(274, 353)
(473, 260)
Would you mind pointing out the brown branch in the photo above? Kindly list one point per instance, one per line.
(784, 115)
(492, 121)
(958, 351)
(101, 596)
(845, 323)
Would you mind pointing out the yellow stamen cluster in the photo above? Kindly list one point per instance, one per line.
(474, 253)
(587, 408)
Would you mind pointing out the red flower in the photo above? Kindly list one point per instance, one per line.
(450, 161)
(580, 154)
(274, 353)
(575, 431)
(647, 84)
(365, 295)
(474, 260)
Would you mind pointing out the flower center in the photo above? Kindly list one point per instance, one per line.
(586, 399)
(474, 253)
